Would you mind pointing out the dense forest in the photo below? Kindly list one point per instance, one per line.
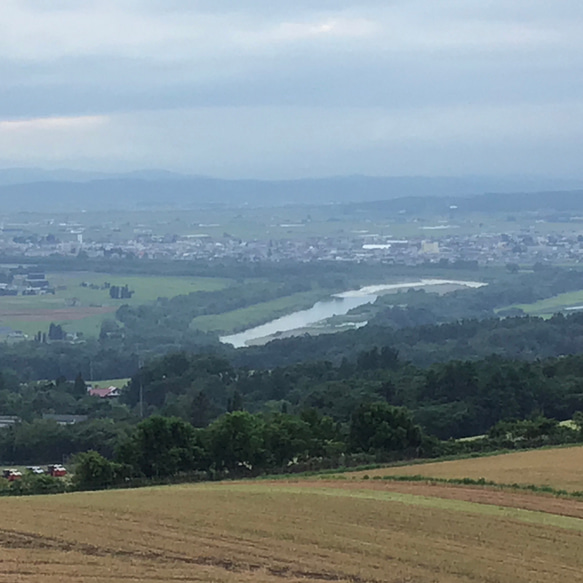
(525, 338)
(447, 400)
(450, 399)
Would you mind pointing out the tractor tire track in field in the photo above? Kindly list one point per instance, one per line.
(12, 539)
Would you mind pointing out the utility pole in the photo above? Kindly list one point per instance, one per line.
(140, 364)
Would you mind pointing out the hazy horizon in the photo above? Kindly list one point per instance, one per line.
(67, 173)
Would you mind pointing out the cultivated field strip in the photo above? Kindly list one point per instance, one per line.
(495, 499)
(560, 468)
(276, 532)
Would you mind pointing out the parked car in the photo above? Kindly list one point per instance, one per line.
(56, 470)
(11, 474)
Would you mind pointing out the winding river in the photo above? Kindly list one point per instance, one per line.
(338, 305)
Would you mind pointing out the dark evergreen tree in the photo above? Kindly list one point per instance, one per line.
(200, 410)
(235, 403)
(79, 386)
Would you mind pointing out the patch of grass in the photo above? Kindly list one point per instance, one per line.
(87, 325)
(33, 313)
(257, 314)
(119, 383)
(146, 287)
(552, 305)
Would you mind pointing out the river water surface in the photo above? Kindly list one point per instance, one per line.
(338, 305)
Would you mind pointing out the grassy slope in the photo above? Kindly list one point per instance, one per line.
(286, 531)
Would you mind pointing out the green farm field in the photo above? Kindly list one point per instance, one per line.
(119, 383)
(301, 223)
(550, 306)
(257, 314)
(82, 309)
(291, 531)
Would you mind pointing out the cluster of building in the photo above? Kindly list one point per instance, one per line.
(27, 284)
(482, 249)
(434, 244)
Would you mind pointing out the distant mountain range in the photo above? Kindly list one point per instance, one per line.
(554, 201)
(61, 190)
(29, 175)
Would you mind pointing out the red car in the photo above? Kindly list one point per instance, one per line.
(11, 475)
(56, 470)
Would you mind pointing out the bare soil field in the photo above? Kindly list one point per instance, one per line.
(76, 313)
(561, 468)
(286, 531)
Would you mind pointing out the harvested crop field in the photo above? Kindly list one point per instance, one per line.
(488, 495)
(560, 468)
(284, 531)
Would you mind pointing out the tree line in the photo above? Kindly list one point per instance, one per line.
(452, 399)
(456, 398)
(113, 356)
(240, 444)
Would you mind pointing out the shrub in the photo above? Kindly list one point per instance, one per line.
(94, 472)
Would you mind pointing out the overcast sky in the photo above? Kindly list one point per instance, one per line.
(265, 88)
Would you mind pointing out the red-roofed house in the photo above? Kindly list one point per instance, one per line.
(107, 393)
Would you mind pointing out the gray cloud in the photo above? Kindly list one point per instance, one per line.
(376, 86)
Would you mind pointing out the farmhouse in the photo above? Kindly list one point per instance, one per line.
(105, 393)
